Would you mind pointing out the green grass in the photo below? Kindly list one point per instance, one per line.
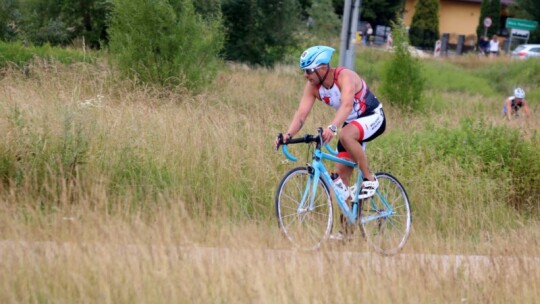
(20, 55)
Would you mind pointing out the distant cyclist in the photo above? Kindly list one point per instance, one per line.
(358, 112)
(513, 104)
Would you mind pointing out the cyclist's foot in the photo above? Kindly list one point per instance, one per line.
(337, 236)
(368, 188)
(341, 236)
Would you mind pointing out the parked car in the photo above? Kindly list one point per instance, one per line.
(526, 51)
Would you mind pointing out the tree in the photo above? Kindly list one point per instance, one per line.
(491, 9)
(9, 19)
(326, 24)
(62, 21)
(530, 10)
(88, 19)
(208, 8)
(260, 31)
(165, 42)
(382, 12)
(424, 31)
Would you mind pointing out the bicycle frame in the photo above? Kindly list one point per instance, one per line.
(319, 169)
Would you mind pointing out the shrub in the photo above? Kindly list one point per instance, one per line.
(260, 32)
(403, 83)
(165, 42)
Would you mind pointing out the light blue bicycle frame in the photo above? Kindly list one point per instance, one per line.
(319, 169)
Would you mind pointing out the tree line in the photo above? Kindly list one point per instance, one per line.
(255, 31)
(183, 41)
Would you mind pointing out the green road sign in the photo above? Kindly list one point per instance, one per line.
(521, 24)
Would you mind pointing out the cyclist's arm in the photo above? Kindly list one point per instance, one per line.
(304, 108)
(508, 105)
(526, 109)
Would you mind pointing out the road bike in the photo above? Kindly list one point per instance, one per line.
(304, 206)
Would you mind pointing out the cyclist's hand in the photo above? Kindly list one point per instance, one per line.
(280, 139)
(327, 135)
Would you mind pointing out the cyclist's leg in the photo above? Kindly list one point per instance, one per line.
(363, 129)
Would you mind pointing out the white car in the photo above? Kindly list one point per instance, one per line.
(527, 51)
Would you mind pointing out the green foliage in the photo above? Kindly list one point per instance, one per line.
(530, 10)
(9, 18)
(326, 24)
(208, 8)
(140, 175)
(88, 19)
(260, 32)
(486, 169)
(498, 151)
(504, 77)
(492, 9)
(403, 83)
(59, 22)
(38, 156)
(382, 12)
(20, 55)
(165, 42)
(454, 79)
(424, 30)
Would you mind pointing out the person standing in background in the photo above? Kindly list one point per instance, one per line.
(483, 45)
(494, 46)
(369, 33)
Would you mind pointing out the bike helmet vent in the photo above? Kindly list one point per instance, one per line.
(315, 56)
(519, 93)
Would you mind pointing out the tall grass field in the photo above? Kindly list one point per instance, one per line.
(112, 192)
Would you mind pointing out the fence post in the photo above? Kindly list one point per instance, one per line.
(460, 42)
(444, 43)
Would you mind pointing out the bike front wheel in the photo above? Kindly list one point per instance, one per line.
(305, 217)
(386, 217)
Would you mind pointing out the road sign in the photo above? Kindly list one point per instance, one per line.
(521, 24)
(487, 22)
(522, 34)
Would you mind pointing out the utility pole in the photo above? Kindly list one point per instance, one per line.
(351, 13)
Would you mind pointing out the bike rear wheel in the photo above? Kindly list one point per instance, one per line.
(305, 226)
(386, 234)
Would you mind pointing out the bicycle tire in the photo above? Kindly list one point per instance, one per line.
(306, 229)
(387, 235)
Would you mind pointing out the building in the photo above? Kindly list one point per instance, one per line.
(458, 17)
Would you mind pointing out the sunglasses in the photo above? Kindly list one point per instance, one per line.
(311, 71)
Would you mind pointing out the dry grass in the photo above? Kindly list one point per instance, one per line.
(209, 234)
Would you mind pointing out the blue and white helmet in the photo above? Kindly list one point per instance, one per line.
(315, 56)
(519, 93)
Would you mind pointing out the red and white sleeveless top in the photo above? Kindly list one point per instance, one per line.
(332, 97)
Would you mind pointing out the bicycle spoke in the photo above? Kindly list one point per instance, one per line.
(387, 233)
(304, 225)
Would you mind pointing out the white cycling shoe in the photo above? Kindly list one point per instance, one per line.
(368, 189)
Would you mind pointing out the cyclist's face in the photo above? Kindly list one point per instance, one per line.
(312, 74)
(519, 100)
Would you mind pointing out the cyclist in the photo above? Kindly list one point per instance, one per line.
(513, 103)
(358, 111)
